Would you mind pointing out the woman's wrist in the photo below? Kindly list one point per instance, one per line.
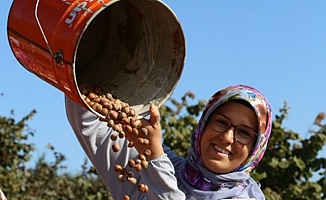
(155, 152)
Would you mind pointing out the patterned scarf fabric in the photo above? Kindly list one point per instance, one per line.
(198, 180)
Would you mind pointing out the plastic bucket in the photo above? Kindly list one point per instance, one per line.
(135, 48)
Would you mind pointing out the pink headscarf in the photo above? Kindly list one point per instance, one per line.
(264, 118)
(197, 181)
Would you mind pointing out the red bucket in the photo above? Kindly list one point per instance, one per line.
(135, 48)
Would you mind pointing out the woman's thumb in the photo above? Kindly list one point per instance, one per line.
(154, 115)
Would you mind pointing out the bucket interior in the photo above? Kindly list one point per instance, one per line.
(133, 49)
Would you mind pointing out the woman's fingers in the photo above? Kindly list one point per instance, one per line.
(154, 116)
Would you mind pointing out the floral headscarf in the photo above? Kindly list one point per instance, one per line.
(264, 119)
(200, 182)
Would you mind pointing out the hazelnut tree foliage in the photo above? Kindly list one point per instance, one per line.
(290, 169)
(45, 180)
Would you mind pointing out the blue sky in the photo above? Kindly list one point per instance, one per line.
(276, 46)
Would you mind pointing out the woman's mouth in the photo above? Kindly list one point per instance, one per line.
(221, 150)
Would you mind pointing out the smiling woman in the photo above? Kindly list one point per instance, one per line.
(225, 146)
(221, 155)
(229, 141)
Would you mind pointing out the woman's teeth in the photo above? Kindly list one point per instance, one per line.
(221, 150)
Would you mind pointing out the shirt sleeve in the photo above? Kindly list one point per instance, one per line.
(160, 177)
(94, 137)
(174, 158)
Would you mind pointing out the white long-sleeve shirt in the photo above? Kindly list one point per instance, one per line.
(94, 137)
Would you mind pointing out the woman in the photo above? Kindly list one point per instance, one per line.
(229, 141)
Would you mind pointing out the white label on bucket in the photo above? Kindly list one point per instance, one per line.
(80, 7)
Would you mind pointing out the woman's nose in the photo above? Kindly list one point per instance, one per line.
(228, 136)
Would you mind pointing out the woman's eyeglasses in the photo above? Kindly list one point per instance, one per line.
(242, 134)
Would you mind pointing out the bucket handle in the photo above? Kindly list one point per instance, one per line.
(58, 56)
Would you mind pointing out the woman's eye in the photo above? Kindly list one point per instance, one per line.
(244, 132)
(221, 122)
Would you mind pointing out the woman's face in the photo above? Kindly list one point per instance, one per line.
(220, 152)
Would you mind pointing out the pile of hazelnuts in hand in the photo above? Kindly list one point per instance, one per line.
(124, 120)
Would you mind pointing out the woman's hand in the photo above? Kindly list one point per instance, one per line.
(148, 139)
